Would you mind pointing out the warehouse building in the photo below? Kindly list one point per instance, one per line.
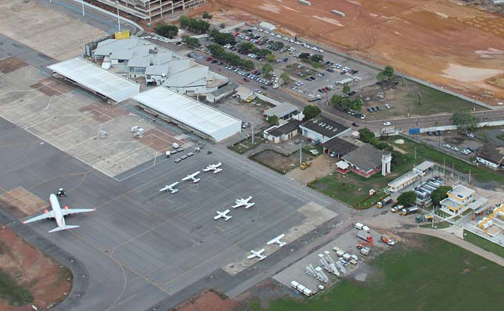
(323, 129)
(95, 79)
(188, 114)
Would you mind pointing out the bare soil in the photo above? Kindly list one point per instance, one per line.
(207, 301)
(48, 281)
(434, 40)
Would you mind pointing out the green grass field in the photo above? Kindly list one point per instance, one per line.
(354, 189)
(424, 152)
(483, 243)
(433, 276)
(12, 292)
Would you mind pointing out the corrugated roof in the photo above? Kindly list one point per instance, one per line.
(365, 158)
(201, 117)
(194, 76)
(325, 127)
(97, 79)
(281, 110)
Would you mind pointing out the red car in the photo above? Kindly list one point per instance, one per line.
(246, 80)
(209, 59)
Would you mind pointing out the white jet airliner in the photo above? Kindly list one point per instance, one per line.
(58, 214)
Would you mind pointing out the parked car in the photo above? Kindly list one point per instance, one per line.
(387, 123)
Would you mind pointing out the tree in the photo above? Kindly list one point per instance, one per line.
(222, 25)
(267, 69)
(270, 58)
(366, 135)
(285, 78)
(346, 89)
(245, 47)
(197, 26)
(263, 52)
(304, 56)
(337, 100)
(386, 75)
(311, 112)
(273, 120)
(248, 64)
(184, 21)
(317, 58)
(464, 121)
(222, 38)
(439, 194)
(193, 42)
(165, 30)
(278, 44)
(206, 15)
(407, 198)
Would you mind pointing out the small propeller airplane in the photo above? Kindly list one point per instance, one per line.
(213, 167)
(192, 177)
(223, 215)
(258, 254)
(244, 202)
(277, 240)
(58, 214)
(170, 188)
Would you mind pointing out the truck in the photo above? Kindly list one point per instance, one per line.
(344, 81)
(364, 251)
(409, 211)
(365, 236)
(387, 240)
(384, 202)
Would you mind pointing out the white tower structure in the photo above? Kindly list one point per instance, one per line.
(386, 161)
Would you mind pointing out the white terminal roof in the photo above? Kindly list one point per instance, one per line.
(190, 112)
(96, 79)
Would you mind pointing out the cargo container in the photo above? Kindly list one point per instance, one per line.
(415, 130)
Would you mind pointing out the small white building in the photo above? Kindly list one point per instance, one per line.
(280, 133)
(267, 26)
(219, 94)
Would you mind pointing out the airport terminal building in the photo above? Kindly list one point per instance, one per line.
(189, 114)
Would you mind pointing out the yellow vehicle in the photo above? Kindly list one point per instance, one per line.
(305, 165)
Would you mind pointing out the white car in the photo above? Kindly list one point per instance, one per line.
(387, 123)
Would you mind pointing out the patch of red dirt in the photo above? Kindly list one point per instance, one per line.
(207, 301)
(47, 280)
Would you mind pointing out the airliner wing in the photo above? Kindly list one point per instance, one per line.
(76, 211)
(40, 217)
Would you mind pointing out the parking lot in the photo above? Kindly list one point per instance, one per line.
(327, 80)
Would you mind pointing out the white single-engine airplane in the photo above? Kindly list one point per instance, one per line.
(193, 177)
(244, 202)
(277, 240)
(58, 214)
(258, 254)
(223, 215)
(170, 188)
(213, 167)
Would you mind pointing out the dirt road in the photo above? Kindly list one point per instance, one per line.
(439, 41)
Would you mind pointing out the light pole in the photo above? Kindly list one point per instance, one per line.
(83, 13)
(118, 19)
(161, 8)
(150, 16)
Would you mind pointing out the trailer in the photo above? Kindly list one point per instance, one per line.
(344, 81)
(384, 202)
(409, 211)
(365, 236)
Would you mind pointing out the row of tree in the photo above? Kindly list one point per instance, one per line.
(192, 42)
(352, 104)
(221, 38)
(194, 25)
(166, 30)
(219, 52)
(316, 58)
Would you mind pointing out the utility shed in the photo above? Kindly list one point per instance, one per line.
(189, 114)
(96, 79)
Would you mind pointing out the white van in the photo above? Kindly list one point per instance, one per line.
(359, 226)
